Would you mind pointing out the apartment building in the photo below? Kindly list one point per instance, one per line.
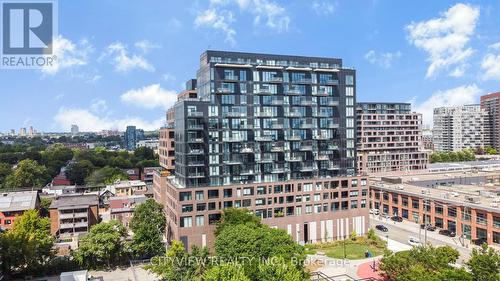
(464, 203)
(73, 214)
(13, 204)
(272, 133)
(122, 208)
(389, 138)
(491, 104)
(460, 127)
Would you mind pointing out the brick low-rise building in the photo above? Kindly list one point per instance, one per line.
(315, 210)
(122, 208)
(464, 203)
(71, 215)
(13, 204)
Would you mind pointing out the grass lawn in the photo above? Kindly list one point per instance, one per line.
(354, 249)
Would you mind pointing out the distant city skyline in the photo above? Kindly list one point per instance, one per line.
(117, 70)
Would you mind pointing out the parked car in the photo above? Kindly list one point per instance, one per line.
(414, 241)
(480, 241)
(396, 218)
(381, 228)
(446, 232)
(429, 227)
(374, 211)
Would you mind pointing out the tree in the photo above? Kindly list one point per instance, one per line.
(148, 224)
(176, 264)
(103, 245)
(28, 173)
(234, 216)
(5, 171)
(28, 247)
(226, 272)
(280, 270)
(45, 206)
(78, 171)
(56, 157)
(145, 153)
(484, 264)
(106, 175)
(423, 263)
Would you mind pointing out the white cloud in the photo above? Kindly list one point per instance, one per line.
(90, 122)
(495, 46)
(466, 94)
(168, 77)
(98, 106)
(382, 59)
(68, 54)
(266, 13)
(445, 39)
(124, 62)
(145, 46)
(324, 7)
(150, 97)
(218, 20)
(491, 66)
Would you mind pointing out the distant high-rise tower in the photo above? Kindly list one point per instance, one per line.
(491, 104)
(22, 132)
(74, 129)
(31, 132)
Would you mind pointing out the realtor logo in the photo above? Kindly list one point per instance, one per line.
(28, 29)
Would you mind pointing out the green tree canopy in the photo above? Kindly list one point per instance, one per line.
(56, 157)
(226, 272)
(106, 175)
(148, 224)
(103, 245)
(484, 264)
(28, 247)
(28, 173)
(234, 216)
(78, 171)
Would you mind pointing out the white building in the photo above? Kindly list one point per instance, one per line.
(459, 127)
(152, 143)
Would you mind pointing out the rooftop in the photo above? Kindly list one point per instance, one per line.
(18, 201)
(479, 195)
(75, 200)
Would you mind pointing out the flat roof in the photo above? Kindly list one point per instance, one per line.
(18, 201)
(485, 196)
(74, 201)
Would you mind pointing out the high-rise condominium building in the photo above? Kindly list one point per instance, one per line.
(130, 138)
(271, 133)
(457, 128)
(389, 138)
(74, 130)
(491, 104)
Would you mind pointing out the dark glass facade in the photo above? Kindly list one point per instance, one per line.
(266, 118)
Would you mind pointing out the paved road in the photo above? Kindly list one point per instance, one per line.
(401, 231)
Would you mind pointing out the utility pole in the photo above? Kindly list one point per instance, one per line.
(425, 220)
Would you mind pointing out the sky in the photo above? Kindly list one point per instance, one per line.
(122, 62)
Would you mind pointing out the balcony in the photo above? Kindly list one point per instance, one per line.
(308, 168)
(322, 114)
(195, 140)
(333, 167)
(292, 137)
(234, 139)
(224, 91)
(333, 103)
(195, 175)
(232, 162)
(275, 80)
(278, 171)
(306, 102)
(276, 126)
(263, 91)
(302, 81)
(246, 150)
(330, 82)
(231, 78)
(306, 148)
(277, 149)
(265, 160)
(264, 138)
(332, 125)
(306, 126)
(292, 92)
(234, 114)
(196, 163)
(195, 127)
(195, 114)
(277, 102)
(293, 159)
(196, 151)
(333, 147)
(73, 215)
(293, 114)
(263, 114)
(320, 137)
(247, 172)
(320, 93)
(321, 158)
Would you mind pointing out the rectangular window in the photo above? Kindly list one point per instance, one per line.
(200, 220)
(199, 195)
(185, 196)
(186, 222)
(349, 80)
